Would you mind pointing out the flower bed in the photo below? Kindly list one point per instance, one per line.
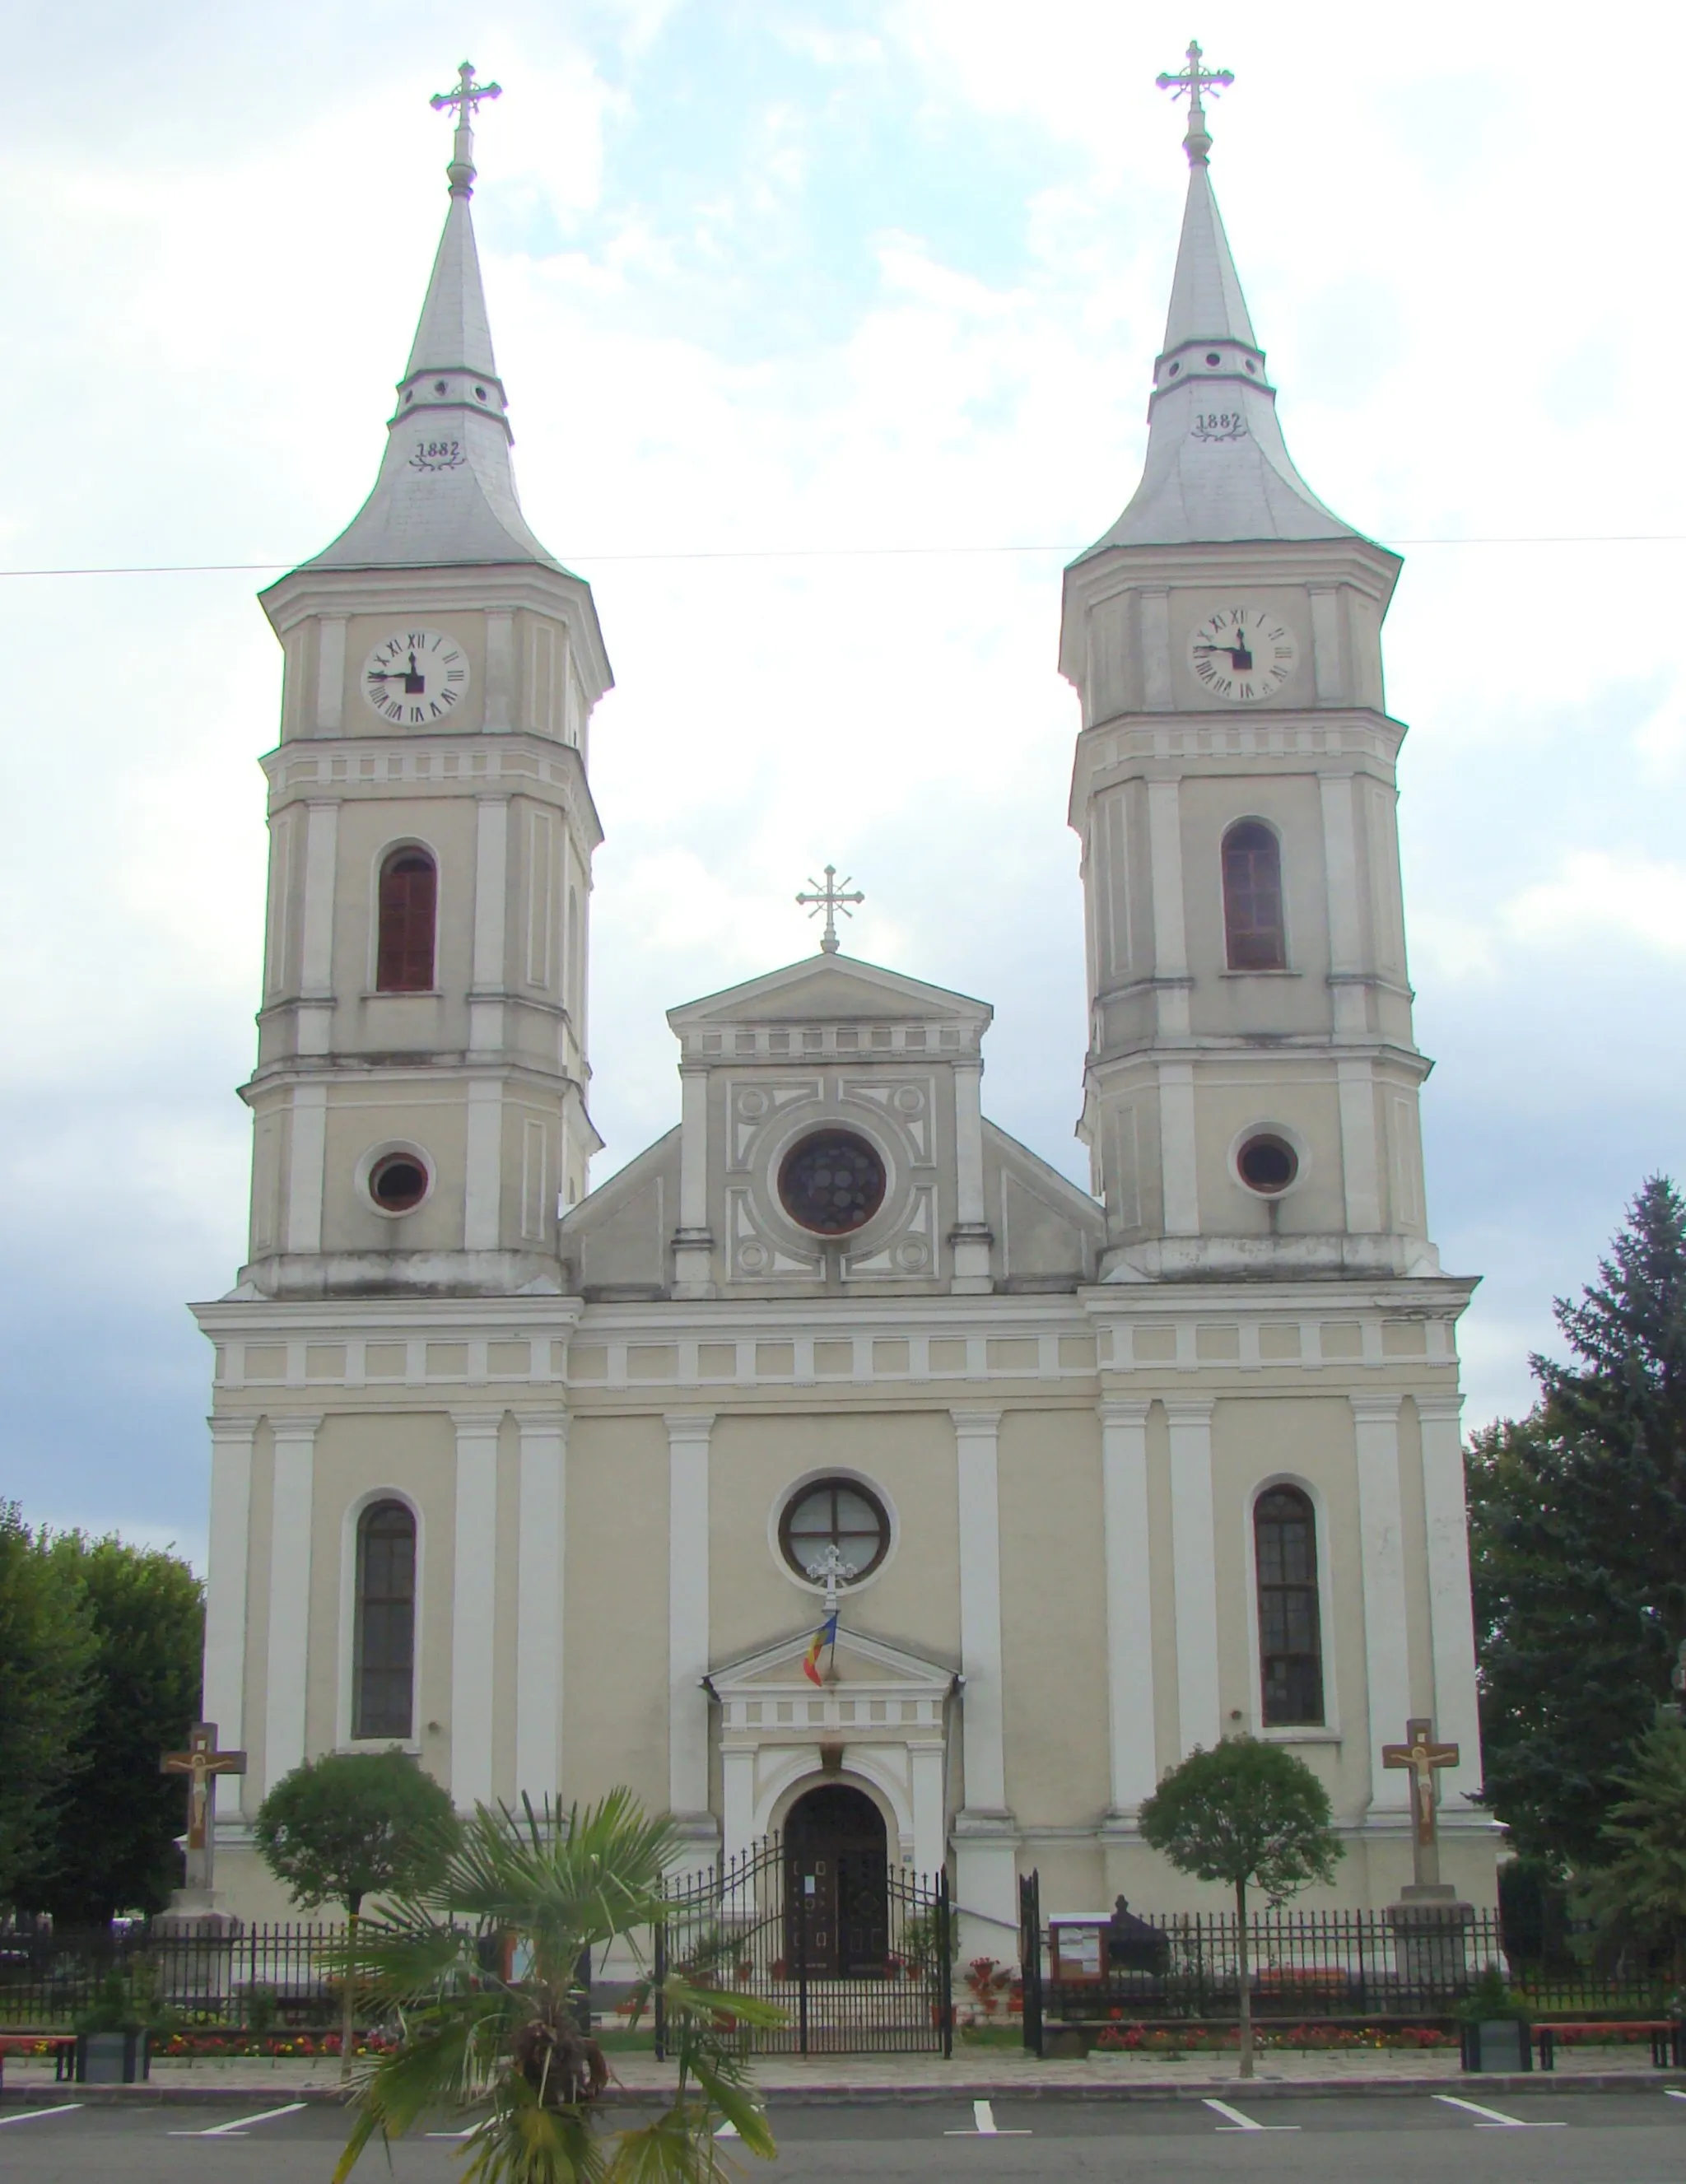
(1117, 2039)
(207, 2047)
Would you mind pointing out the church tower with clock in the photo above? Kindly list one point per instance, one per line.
(419, 1095)
(1250, 1096)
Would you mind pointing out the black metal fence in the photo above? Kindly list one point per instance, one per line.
(1306, 1967)
(258, 1979)
(870, 1975)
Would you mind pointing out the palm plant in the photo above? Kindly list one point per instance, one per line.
(534, 1890)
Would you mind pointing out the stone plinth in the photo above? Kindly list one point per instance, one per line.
(1431, 1928)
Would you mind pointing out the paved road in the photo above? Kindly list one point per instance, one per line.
(1637, 2137)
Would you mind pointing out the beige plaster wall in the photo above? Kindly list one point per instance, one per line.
(1053, 1616)
(907, 1456)
(615, 1609)
(1309, 1441)
(358, 1458)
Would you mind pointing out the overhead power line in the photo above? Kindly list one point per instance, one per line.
(838, 553)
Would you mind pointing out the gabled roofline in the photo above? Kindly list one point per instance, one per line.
(731, 1001)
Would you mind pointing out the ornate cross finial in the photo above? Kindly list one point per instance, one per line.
(465, 97)
(831, 899)
(830, 1570)
(1195, 80)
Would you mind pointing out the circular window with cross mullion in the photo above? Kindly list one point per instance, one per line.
(834, 1516)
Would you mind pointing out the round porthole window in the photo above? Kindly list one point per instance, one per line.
(831, 1183)
(398, 1181)
(834, 1518)
(1268, 1164)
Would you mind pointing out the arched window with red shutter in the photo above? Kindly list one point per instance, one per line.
(404, 955)
(1252, 898)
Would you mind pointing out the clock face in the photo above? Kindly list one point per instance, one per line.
(416, 677)
(1243, 653)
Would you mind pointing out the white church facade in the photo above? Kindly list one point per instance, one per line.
(542, 1483)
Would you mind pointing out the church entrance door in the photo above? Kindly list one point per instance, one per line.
(853, 1952)
(838, 1861)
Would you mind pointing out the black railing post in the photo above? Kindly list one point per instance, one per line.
(1030, 1959)
(943, 1968)
(659, 1973)
(801, 1964)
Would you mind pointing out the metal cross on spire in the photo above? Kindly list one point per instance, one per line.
(1194, 79)
(465, 97)
(831, 899)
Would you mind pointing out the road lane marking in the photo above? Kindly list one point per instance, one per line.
(728, 2130)
(240, 2124)
(28, 2115)
(984, 2126)
(469, 2133)
(1674, 2093)
(1239, 2122)
(1495, 2119)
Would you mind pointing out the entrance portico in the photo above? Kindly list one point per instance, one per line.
(878, 1724)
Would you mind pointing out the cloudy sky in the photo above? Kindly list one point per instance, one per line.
(827, 326)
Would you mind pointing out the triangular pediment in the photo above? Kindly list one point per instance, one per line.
(830, 989)
(855, 1660)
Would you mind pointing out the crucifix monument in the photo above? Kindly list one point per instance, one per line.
(831, 899)
(201, 1762)
(1428, 1921)
(1423, 1756)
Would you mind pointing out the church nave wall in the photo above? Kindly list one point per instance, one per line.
(1054, 1617)
(907, 1456)
(615, 1695)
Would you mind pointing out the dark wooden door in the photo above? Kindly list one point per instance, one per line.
(837, 1870)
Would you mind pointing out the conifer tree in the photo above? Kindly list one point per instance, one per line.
(1578, 1539)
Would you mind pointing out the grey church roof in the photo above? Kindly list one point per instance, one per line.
(445, 491)
(1216, 468)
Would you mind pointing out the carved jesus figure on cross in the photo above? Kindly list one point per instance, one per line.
(1422, 1756)
(202, 1762)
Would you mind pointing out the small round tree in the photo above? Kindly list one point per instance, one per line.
(352, 1824)
(1249, 1814)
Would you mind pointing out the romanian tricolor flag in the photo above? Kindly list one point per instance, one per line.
(827, 1635)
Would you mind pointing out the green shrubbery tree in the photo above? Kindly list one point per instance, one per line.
(47, 1645)
(1252, 1815)
(350, 1826)
(1637, 1898)
(113, 1848)
(1578, 1546)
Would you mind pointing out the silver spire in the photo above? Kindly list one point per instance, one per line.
(445, 491)
(1217, 468)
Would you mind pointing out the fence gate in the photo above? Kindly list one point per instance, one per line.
(861, 1962)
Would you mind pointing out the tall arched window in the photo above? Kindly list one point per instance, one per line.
(404, 956)
(383, 1672)
(1252, 898)
(1290, 1636)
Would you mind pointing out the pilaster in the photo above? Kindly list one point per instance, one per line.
(1193, 1560)
(540, 1571)
(687, 1611)
(294, 1463)
(1382, 1545)
(225, 1581)
(473, 1606)
(1129, 1604)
